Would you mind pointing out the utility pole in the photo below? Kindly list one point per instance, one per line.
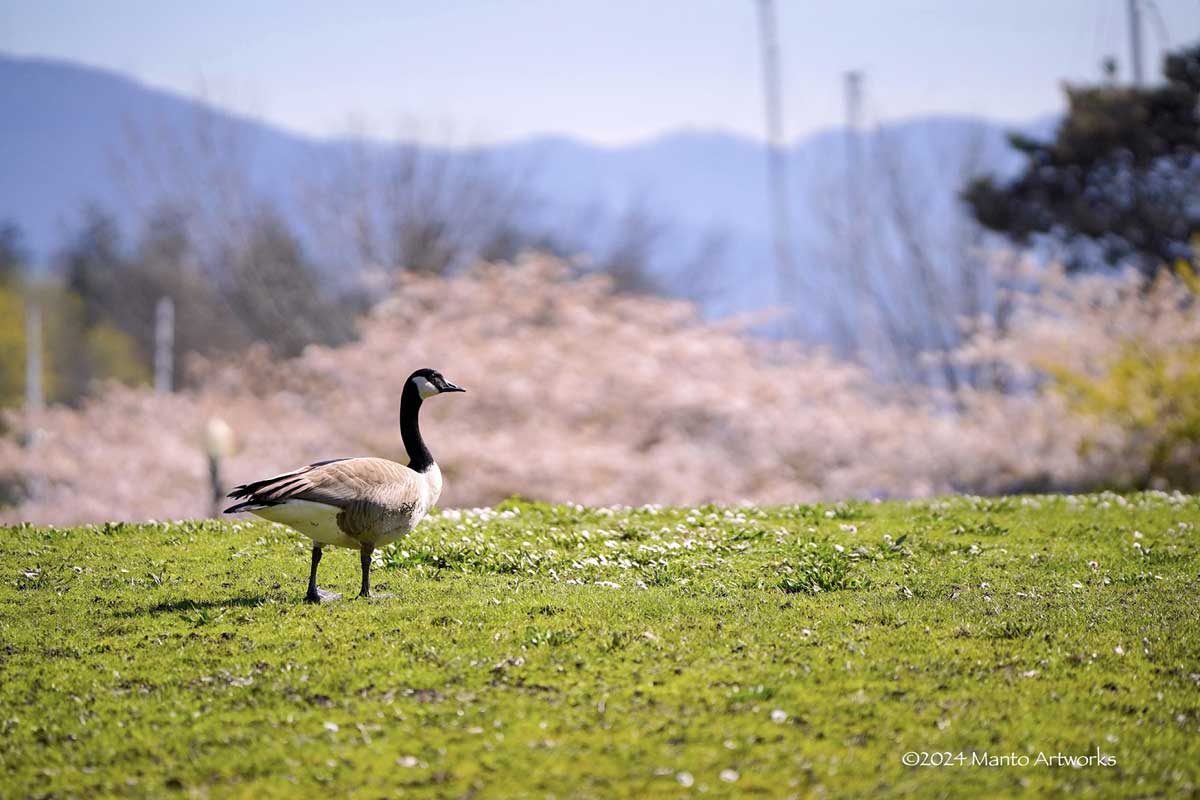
(853, 92)
(34, 396)
(164, 345)
(777, 189)
(854, 81)
(856, 210)
(1135, 40)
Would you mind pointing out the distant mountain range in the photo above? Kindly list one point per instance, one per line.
(68, 129)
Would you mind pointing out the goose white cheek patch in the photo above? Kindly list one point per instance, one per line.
(424, 387)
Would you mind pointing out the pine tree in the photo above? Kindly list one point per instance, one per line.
(1120, 182)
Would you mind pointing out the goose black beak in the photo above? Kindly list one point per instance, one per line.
(450, 387)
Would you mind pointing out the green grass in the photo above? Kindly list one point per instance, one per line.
(560, 651)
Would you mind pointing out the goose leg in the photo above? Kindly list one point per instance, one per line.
(316, 595)
(365, 557)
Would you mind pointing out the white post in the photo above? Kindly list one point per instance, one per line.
(35, 398)
(218, 444)
(164, 345)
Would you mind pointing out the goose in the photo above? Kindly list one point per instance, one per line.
(360, 503)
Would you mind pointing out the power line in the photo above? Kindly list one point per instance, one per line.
(1161, 30)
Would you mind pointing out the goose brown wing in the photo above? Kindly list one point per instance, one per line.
(340, 483)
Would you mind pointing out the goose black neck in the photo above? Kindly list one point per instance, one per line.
(419, 457)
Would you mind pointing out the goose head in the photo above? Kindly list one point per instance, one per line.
(430, 382)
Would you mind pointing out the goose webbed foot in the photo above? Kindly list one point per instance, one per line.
(321, 596)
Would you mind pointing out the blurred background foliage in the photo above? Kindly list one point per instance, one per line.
(938, 332)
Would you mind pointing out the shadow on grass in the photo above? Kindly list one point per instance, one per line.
(177, 606)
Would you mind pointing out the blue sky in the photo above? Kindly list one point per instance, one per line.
(609, 71)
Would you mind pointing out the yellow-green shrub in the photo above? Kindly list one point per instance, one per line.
(1152, 394)
(1149, 389)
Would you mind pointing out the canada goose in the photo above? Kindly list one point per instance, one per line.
(361, 503)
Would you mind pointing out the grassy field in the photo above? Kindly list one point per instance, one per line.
(558, 651)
